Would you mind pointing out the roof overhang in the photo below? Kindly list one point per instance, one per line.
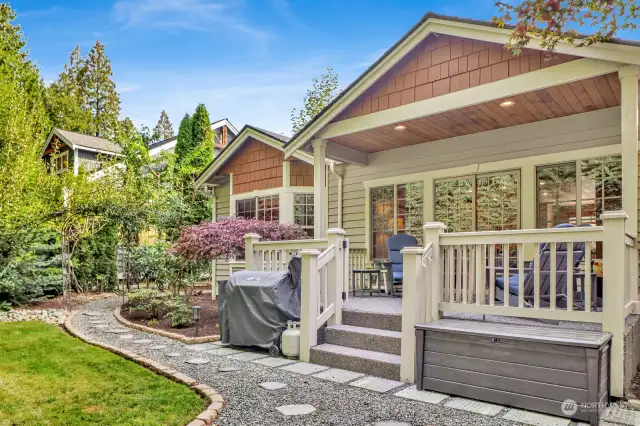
(224, 122)
(609, 52)
(245, 134)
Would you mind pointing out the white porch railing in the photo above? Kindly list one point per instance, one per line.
(357, 260)
(471, 272)
(275, 255)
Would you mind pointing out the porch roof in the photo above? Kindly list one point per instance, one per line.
(578, 84)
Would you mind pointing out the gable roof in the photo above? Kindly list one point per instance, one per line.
(617, 50)
(272, 139)
(224, 122)
(85, 142)
(163, 142)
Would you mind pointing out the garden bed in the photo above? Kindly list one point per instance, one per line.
(207, 326)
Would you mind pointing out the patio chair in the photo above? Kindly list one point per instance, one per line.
(545, 278)
(394, 266)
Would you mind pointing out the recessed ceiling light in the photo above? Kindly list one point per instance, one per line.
(400, 127)
(507, 104)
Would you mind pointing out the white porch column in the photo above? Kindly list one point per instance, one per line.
(628, 75)
(286, 196)
(319, 191)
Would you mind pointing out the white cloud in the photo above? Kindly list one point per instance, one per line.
(191, 15)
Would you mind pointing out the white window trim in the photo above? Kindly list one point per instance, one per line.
(54, 157)
(285, 197)
(526, 165)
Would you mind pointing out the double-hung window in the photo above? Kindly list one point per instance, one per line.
(59, 162)
(303, 212)
(262, 208)
(396, 209)
(483, 202)
(578, 192)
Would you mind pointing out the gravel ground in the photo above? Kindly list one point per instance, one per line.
(248, 404)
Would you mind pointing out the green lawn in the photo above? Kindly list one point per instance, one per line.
(50, 378)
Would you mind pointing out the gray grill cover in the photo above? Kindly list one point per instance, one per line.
(255, 306)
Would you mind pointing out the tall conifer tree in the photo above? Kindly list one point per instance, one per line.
(104, 101)
(164, 129)
(184, 145)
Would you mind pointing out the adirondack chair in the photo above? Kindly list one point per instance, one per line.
(394, 266)
(512, 287)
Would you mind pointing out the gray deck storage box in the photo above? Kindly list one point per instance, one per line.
(535, 368)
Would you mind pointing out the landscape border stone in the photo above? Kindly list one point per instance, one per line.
(175, 336)
(215, 400)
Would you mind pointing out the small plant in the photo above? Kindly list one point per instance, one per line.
(179, 313)
(153, 302)
(153, 322)
(5, 306)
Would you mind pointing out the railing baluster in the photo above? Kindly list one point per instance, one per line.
(479, 268)
(536, 276)
(451, 280)
(587, 277)
(465, 272)
(459, 273)
(553, 282)
(261, 257)
(521, 275)
(569, 276)
(492, 274)
(505, 276)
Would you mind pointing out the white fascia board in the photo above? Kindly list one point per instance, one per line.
(535, 80)
(606, 52)
(54, 132)
(224, 122)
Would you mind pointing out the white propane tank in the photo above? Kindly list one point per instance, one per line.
(291, 340)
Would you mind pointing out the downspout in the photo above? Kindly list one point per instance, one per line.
(332, 167)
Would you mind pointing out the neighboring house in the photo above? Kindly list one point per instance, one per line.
(250, 178)
(447, 126)
(65, 150)
(223, 133)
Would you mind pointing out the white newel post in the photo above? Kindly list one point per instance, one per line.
(336, 238)
(432, 232)
(613, 283)
(249, 251)
(308, 302)
(412, 272)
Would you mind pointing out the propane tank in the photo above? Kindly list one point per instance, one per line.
(291, 340)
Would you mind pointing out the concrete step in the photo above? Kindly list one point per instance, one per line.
(364, 338)
(379, 320)
(373, 363)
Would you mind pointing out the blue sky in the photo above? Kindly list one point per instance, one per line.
(249, 61)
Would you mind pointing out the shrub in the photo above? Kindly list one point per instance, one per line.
(179, 313)
(96, 265)
(153, 302)
(225, 238)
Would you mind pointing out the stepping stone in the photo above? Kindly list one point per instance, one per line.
(477, 407)
(536, 419)
(273, 362)
(173, 354)
(247, 356)
(201, 347)
(304, 368)
(296, 409)
(391, 423)
(92, 314)
(101, 327)
(272, 385)
(98, 322)
(118, 330)
(228, 369)
(423, 396)
(339, 376)
(143, 341)
(126, 336)
(376, 384)
(197, 361)
(157, 347)
(622, 415)
(223, 351)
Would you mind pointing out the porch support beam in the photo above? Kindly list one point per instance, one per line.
(319, 191)
(629, 138)
(346, 154)
(546, 77)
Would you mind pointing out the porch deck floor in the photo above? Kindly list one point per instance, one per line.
(393, 306)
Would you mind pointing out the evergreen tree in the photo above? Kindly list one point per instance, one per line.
(201, 126)
(321, 93)
(164, 129)
(104, 101)
(185, 144)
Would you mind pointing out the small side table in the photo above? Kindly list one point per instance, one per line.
(371, 273)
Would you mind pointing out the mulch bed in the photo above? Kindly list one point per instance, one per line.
(77, 301)
(207, 326)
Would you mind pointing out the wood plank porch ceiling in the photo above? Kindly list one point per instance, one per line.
(558, 101)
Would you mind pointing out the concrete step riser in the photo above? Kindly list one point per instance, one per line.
(359, 365)
(371, 342)
(372, 320)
